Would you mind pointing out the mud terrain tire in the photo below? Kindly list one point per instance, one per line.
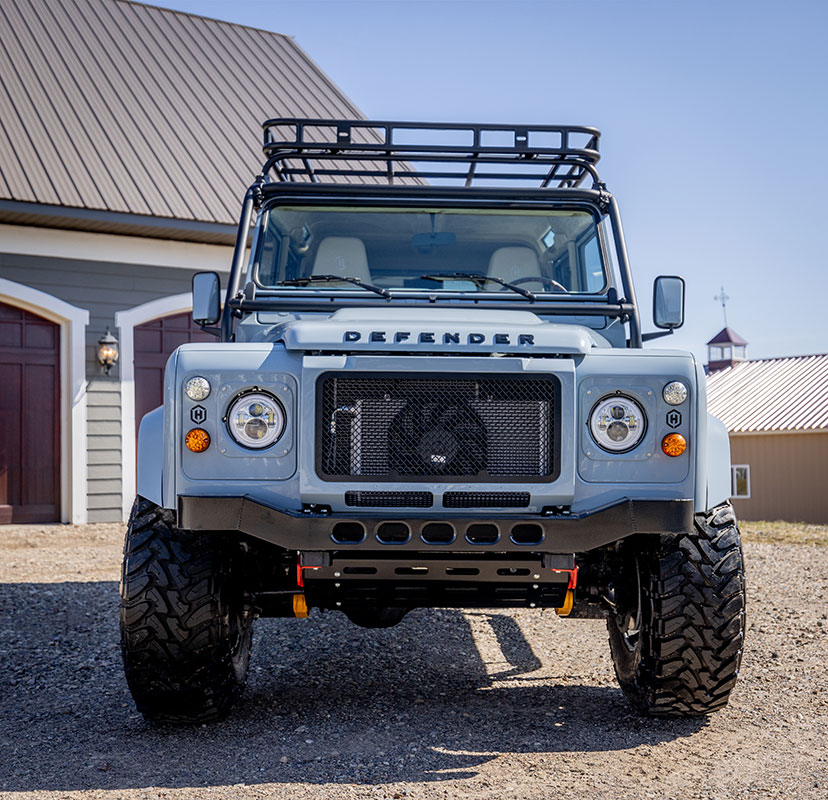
(678, 653)
(185, 631)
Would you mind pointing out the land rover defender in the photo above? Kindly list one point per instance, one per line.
(429, 389)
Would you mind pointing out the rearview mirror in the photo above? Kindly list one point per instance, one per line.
(206, 298)
(668, 301)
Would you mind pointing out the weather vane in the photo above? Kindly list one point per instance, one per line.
(723, 298)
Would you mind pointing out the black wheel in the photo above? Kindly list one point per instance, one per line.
(185, 628)
(678, 629)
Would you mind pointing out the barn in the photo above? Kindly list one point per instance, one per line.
(128, 135)
(776, 412)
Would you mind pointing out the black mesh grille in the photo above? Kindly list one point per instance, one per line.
(390, 499)
(486, 499)
(423, 427)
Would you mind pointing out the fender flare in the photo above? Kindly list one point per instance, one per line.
(149, 475)
(718, 462)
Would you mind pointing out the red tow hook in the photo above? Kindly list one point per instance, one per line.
(573, 576)
(300, 579)
(569, 597)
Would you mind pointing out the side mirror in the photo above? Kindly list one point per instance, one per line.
(206, 298)
(668, 301)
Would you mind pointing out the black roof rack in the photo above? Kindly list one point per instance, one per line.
(331, 150)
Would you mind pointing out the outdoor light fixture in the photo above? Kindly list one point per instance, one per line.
(107, 351)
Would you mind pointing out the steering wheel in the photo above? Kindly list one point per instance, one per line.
(550, 282)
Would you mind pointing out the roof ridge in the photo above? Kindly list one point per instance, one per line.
(202, 16)
(778, 358)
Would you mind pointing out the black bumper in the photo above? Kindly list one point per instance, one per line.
(568, 533)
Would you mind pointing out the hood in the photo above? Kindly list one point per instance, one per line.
(436, 330)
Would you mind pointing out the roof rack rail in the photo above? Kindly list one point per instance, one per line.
(317, 150)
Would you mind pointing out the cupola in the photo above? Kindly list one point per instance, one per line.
(725, 349)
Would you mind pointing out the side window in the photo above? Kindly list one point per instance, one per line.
(740, 481)
(593, 272)
(268, 262)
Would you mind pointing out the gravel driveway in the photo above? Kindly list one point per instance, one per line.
(447, 704)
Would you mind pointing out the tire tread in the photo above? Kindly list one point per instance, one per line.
(694, 607)
(175, 622)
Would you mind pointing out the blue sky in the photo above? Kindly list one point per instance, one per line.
(714, 119)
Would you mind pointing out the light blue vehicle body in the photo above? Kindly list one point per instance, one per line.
(391, 420)
(581, 358)
(278, 336)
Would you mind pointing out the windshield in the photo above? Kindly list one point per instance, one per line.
(434, 250)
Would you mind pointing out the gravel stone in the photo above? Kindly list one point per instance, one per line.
(452, 704)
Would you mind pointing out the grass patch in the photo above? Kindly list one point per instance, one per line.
(784, 532)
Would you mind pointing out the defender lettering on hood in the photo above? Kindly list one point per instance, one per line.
(430, 337)
(436, 330)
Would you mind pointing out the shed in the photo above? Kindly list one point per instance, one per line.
(776, 412)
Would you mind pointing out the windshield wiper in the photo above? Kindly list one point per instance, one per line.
(478, 279)
(332, 279)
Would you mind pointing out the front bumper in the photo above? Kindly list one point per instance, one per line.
(565, 533)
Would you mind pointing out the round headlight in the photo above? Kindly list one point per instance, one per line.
(674, 393)
(256, 420)
(197, 388)
(617, 423)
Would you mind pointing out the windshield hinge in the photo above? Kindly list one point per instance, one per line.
(256, 190)
(603, 196)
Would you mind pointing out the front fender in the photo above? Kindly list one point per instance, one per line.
(151, 456)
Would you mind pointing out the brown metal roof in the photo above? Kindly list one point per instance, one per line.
(776, 394)
(727, 336)
(116, 106)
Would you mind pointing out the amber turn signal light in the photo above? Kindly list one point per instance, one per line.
(674, 444)
(197, 440)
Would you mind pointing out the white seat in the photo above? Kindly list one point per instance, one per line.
(511, 263)
(342, 255)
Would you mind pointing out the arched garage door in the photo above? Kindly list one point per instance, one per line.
(29, 417)
(154, 341)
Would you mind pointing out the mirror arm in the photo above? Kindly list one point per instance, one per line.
(211, 329)
(648, 337)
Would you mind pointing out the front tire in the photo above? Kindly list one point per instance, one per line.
(185, 628)
(677, 633)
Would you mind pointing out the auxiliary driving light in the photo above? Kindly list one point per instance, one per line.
(674, 444)
(197, 440)
(197, 388)
(674, 393)
(617, 423)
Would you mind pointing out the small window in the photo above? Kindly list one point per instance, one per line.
(593, 268)
(740, 481)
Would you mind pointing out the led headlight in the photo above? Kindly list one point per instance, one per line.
(197, 388)
(674, 393)
(617, 423)
(256, 420)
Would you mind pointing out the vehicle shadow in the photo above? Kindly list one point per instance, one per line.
(327, 702)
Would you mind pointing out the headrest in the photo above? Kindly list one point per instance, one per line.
(342, 255)
(511, 263)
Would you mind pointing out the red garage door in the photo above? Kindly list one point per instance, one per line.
(29, 417)
(154, 341)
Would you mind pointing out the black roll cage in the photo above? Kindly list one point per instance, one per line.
(304, 160)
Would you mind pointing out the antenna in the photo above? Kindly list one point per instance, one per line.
(723, 298)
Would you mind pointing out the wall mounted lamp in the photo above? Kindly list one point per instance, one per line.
(107, 351)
